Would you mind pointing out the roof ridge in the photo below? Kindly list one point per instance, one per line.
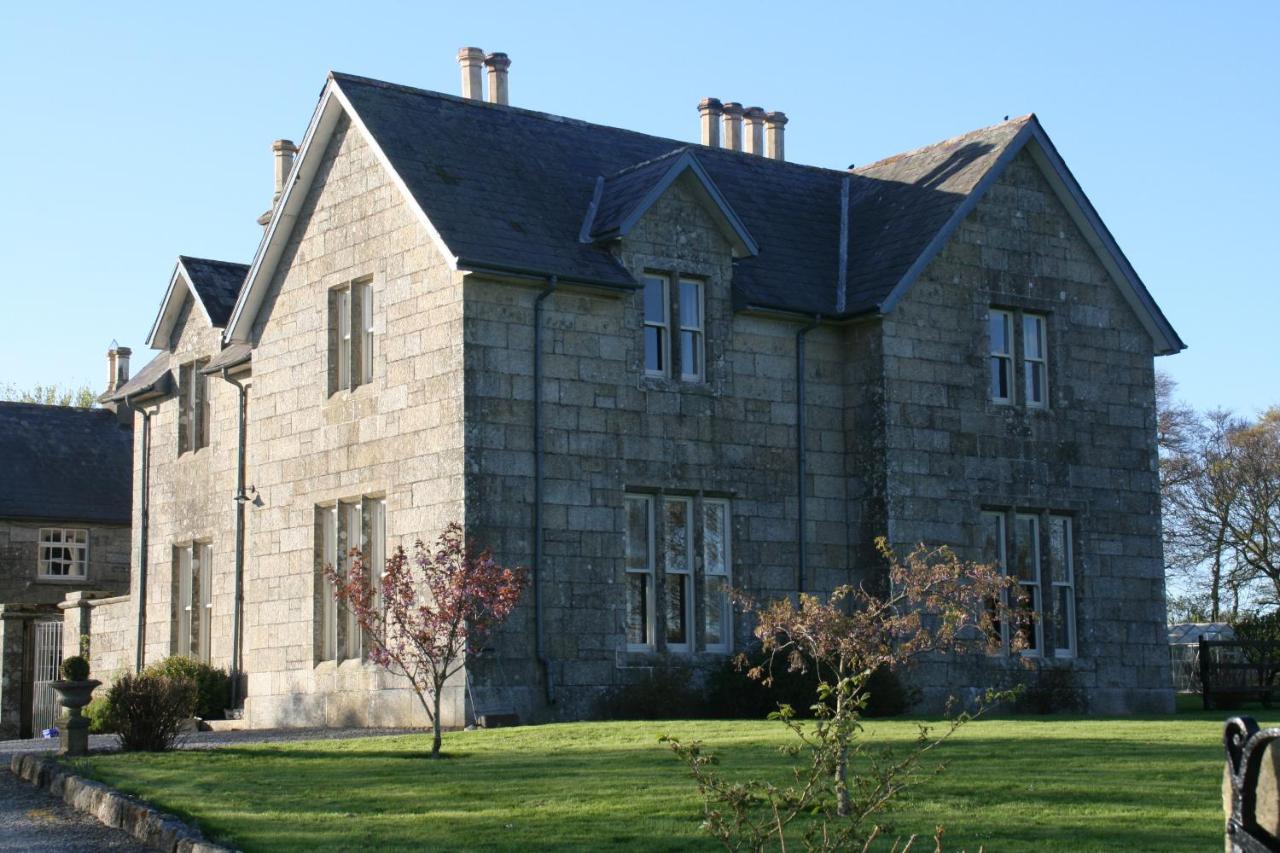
(635, 167)
(185, 258)
(951, 140)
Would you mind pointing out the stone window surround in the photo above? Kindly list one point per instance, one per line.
(673, 272)
(82, 559)
(359, 345)
(640, 655)
(1018, 307)
(1045, 627)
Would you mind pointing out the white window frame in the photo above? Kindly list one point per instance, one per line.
(328, 650)
(1002, 564)
(649, 572)
(725, 572)
(1034, 585)
(1067, 584)
(193, 407)
(682, 574)
(72, 540)
(344, 522)
(343, 354)
(697, 332)
(193, 630)
(663, 327)
(365, 290)
(1003, 358)
(1035, 362)
(351, 347)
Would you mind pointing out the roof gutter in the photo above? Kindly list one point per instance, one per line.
(541, 276)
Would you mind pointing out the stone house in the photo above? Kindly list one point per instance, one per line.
(64, 525)
(649, 370)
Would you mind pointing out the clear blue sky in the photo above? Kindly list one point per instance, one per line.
(134, 132)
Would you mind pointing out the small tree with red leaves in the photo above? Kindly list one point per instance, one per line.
(424, 611)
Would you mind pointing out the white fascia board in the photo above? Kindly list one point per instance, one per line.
(157, 338)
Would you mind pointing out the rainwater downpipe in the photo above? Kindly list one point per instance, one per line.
(802, 520)
(144, 522)
(539, 641)
(237, 612)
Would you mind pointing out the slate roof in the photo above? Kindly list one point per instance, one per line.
(59, 463)
(217, 283)
(508, 189)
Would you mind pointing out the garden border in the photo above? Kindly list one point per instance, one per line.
(112, 808)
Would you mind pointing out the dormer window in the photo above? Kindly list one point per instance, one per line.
(1035, 361)
(193, 407)
(657, 325)
(692, 346)
(688, 304)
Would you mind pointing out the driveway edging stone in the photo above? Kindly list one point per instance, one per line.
(121, 811)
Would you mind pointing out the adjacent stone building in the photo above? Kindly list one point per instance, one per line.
(650, 371)
(64, 525)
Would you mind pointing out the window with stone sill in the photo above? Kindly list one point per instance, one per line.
(64, 554)
(686, 359)
(193, 600)
(1015, 543)
(193, 407)
(664, 535)
(1032, 329)
(339, 528)
(351, 338)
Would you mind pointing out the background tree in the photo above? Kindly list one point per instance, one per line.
(427, 610)
(81, 397)
(935, 603)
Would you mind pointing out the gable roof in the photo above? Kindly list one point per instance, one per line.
(507, 190)
(59, 463)
(214, 285)
(153, 378)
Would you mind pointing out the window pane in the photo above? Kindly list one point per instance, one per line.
(1059, 535)
(677, 609)
(676, 544)
(638, 609)
(1033, 336)
(1026, 555)
(1000, 377)
(1035, 382)
(637, 534)
(691, 304)
(691, 354)
(717, 611)
(655, 299)
(366, 336)
(1028, 605)
(653, 350)
(999, 330)
(713, 538)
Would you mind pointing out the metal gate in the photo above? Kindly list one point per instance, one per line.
(48, 657)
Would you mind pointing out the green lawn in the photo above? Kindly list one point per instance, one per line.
(1011, 784)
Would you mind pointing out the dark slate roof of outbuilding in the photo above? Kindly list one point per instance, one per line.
(59, 463)
(509, 188)
(217, 283)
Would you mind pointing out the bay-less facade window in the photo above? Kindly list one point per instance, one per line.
(1001, 335)
(1035, 361)
(1033, 330)
(340, 527)
(193, 407)
(64, 553)
(663, 536)
(193, 603)
(1040, 562)
(689, 332)
(350, 335)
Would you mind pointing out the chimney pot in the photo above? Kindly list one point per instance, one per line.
(774, 123)
(471, 60)
(117, 366)
(498, 63)
(753, 131)
(710, 110)
(282, 154)
(733, 126)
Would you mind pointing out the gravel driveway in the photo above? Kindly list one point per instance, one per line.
(32, 820)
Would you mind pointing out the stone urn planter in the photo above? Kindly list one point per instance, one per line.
(74, 695)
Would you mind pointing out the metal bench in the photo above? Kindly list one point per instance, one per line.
(1251, 787)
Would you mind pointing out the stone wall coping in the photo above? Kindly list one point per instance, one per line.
(25, 611)
(112, 808)
(90, 598)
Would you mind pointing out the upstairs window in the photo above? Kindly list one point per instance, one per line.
(350, 336)
(193, 407)
(64, 553)
(1001, 332)
(692, 346)
(657, 325)
(1035, 360)
(193, 604)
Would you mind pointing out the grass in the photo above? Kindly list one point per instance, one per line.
(1051, 783)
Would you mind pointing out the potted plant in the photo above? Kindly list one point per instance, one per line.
(75, 690)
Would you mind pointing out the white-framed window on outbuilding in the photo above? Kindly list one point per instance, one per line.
(340, 527)
(717, 623)
(193, 603)
(1062, 579)
(1001, 337)
(1035, 361)
(193, 407)
(639, 572)
(692, 331)
(351, 337)
(657, 325)
(64, 553)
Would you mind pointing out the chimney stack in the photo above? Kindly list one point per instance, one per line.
(471, 60)
(753, 131)
(774, 123)
(282, 154)
(117, 366)
(733, 126)
(498, 63)
(710, 110)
